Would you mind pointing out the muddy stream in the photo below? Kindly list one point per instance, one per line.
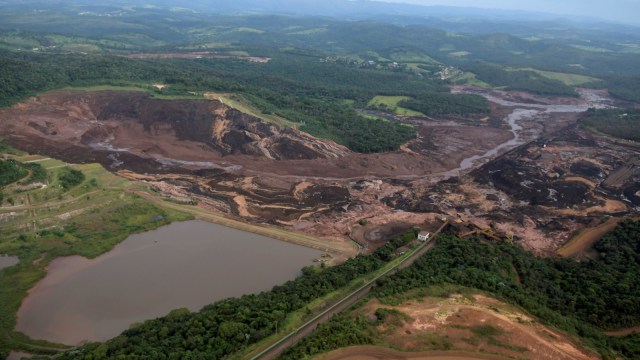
(523, 112)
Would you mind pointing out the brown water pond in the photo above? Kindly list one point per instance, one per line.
(188, 264)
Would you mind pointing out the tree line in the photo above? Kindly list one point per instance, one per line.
(581, 298)
(230, 325)
(620, 123)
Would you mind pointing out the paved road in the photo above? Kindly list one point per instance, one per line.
(274, 350)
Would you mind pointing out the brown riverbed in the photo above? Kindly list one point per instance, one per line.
(187, 264)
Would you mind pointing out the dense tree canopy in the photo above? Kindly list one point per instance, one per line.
(620, 123)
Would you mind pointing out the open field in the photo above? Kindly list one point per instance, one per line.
(565, 78)
(579, 245)
(391, 102)
(152, 90)
(469, 79)
(462, 325)
(241, 104)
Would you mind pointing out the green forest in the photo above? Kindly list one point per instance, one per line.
(620, 123)
(437, 104)
(581, 298)
(70, 177)
(12, 171)
(518, 80)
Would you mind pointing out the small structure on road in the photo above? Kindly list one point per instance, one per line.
(423, 235)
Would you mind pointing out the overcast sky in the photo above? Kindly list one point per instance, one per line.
(617, 10)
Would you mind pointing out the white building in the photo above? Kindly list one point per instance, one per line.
(423, 235)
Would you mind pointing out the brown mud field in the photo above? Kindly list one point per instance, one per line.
(515, 172)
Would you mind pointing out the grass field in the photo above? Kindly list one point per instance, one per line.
(241, 104)
(391, 102)
(566, 78)
(412, 57)
(469, 79)
(148, 88)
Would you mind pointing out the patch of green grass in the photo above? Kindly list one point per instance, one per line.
(409, 56)
(248, 30)
(566, 78)
(469, 79)
(8, 149)
(132, 87)
(447, 48)
(486, 331)
(150, 89)
(434, 341)
(391, 103)
(391, 318)
(631, 48)
(69, 177)
(460, 53)
(592, 48)
(312, 31)
(88, 48)
(241, 104)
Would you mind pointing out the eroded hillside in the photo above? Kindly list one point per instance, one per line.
(207, 152)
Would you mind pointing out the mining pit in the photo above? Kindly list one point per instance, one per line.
(535, 175)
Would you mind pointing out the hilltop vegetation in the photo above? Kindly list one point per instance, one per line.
(11, 171)
(620, 123)
(519, 79)
(581, 298)
(70, 177)
(436, 104)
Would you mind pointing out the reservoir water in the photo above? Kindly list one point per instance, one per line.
(188, 264)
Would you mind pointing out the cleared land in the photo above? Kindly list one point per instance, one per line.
(579, 246)
(391, 102)
(565, 78)
(469, 326)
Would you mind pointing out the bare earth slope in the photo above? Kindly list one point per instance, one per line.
(559, 180)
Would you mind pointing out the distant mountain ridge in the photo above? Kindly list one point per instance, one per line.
(354, 9)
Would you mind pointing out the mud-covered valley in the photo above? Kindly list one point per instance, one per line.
(527, 172)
